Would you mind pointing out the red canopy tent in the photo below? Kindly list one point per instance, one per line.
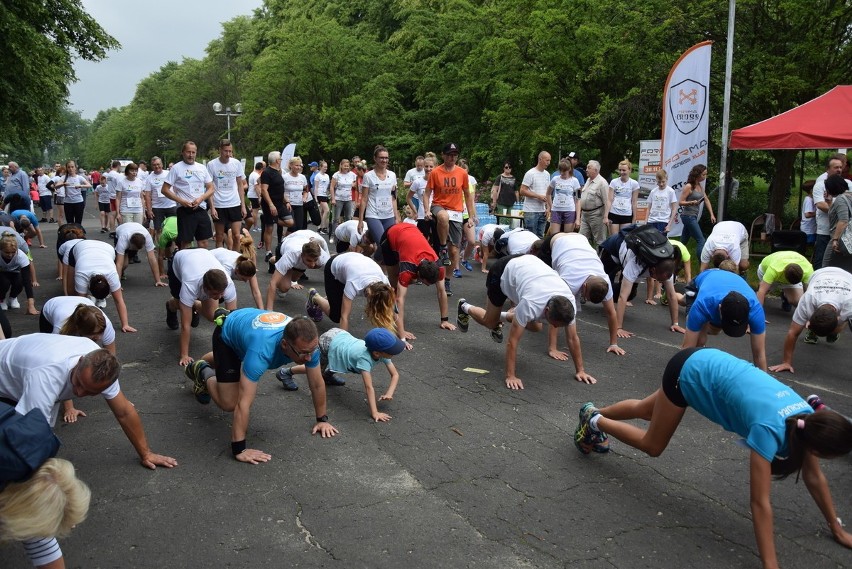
(821, 123)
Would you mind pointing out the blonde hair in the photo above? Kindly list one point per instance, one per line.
(8, 244)
(50, 503)
(294, 160)
(661, 175)
(247, 246)
(85, 321)
(627, 163)
(380, 305)
(246, 264)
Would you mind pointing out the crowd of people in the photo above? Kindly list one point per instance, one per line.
(579, 242)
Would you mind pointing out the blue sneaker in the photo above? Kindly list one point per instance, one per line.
(457, 274)
(466, 264)
(285, 376)
(586, 439)
(313, 311)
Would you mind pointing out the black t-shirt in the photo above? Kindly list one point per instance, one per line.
(506, 195)
(272, 178)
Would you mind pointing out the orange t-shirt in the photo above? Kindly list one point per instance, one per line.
(448, 188)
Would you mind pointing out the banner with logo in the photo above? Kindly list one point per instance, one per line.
(649, 164)
(686, 117)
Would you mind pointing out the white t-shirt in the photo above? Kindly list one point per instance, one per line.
(131, 195)
(321, 183)
(358, 272)
(343, 185)
(727, 235)
(227, 258)
(519, 241)
(808, 224)
(253, 181)
(822, 223)
(73, 191)
(190, 266)
(59, 308)
(226, 176)
(293, 187)
(631, 269)
(189, 181)
(59, 192)
(102, 191)
(94, 258)
(622, 203)
(564, 193)
(290, 253)
(537, 181)
(413, 174)
(35, 371)
(830, 285)
(15, 264)
(125, 231)
(418, 186)
(42, 181)
(113, 177)
(380, 201)
(153, 185)
(529, 283)
(576, 261)
(660, 204)
(65, 249)
(348, 232)
(486, 233)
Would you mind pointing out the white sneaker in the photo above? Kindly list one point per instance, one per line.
(13, 303)
(100, 303)
(3, 305)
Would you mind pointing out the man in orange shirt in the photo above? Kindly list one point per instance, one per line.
(446, 193)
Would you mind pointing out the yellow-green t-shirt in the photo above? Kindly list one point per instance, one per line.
(773, 267)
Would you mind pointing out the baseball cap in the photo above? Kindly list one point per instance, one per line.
(313, 165)
(573, 155)
(382, 340)
(734, 310)
(451, 148)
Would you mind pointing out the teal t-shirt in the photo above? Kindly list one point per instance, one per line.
(348, 354)
(255, 335)
(742, 399)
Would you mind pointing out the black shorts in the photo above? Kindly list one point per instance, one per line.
(193, 224)
(227, 362)
(671, 377)
(267, 218)
(390, 258)
(229, 214)
(104, 207)
(255, 203)
(620, 219)
(174, 284)
(333, 293)
(492, 281)
(322, 199)
(160, 215)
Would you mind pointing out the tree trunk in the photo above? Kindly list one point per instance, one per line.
(779, 188)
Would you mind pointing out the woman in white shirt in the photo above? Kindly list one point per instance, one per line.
(340, 192)
(296, 190)
(321, 185)
(562, 196)
(15, 275)
(378, 197)
(623, 195)
(128, 196)
(73, 185)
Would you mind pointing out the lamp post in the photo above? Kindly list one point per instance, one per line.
(228, 112)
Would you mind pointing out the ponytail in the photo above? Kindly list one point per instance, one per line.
(380, 305)
(825, 433)
(247, 250)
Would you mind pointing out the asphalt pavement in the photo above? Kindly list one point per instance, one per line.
(467, 474)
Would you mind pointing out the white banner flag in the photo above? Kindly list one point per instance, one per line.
(686, 117)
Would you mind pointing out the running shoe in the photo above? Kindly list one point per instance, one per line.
(811, 337)
(831, 338)
(195, 319)
(457, 274)
(466, 264)
(171, 318)
(285, 376)
(100, 302)
(270, 260)
(219, 316)
(497, 333)
(313, 311)
(664, 299)
(447, 287)
(14, 304)
(444, 257)
(199, 386)
(586, 439)
(332, 379)
(462, 318)
(785, 304)
(815, 402)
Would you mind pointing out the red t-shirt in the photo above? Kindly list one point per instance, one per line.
(412, 247)
(448, 188)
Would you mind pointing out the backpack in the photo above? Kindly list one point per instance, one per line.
(646, 241)
(26, 442)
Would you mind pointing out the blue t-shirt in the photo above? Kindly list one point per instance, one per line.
(349, 354)
(30, 215)
(742, 399)
(713, 286)
(255, 335)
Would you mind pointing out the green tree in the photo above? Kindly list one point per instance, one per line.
(39, 40)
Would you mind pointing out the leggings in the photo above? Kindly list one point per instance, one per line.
(74, 212)
(16, 281)
(346, 208)
(377, 228)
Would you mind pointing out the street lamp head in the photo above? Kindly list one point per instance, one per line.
(217, 107)
(238, 108)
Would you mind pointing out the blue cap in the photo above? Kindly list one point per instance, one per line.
(313, 165)
(383, 340)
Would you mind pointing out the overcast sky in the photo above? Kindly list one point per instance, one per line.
(151, 33)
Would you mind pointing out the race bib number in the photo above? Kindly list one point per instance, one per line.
(455, 215)
(659, 207)
(621, 203)
(196, 189)
(384, 206)
(560, 199)
(134, 202)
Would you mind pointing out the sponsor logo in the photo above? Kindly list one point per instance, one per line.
(270, 320)
(687, 105)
